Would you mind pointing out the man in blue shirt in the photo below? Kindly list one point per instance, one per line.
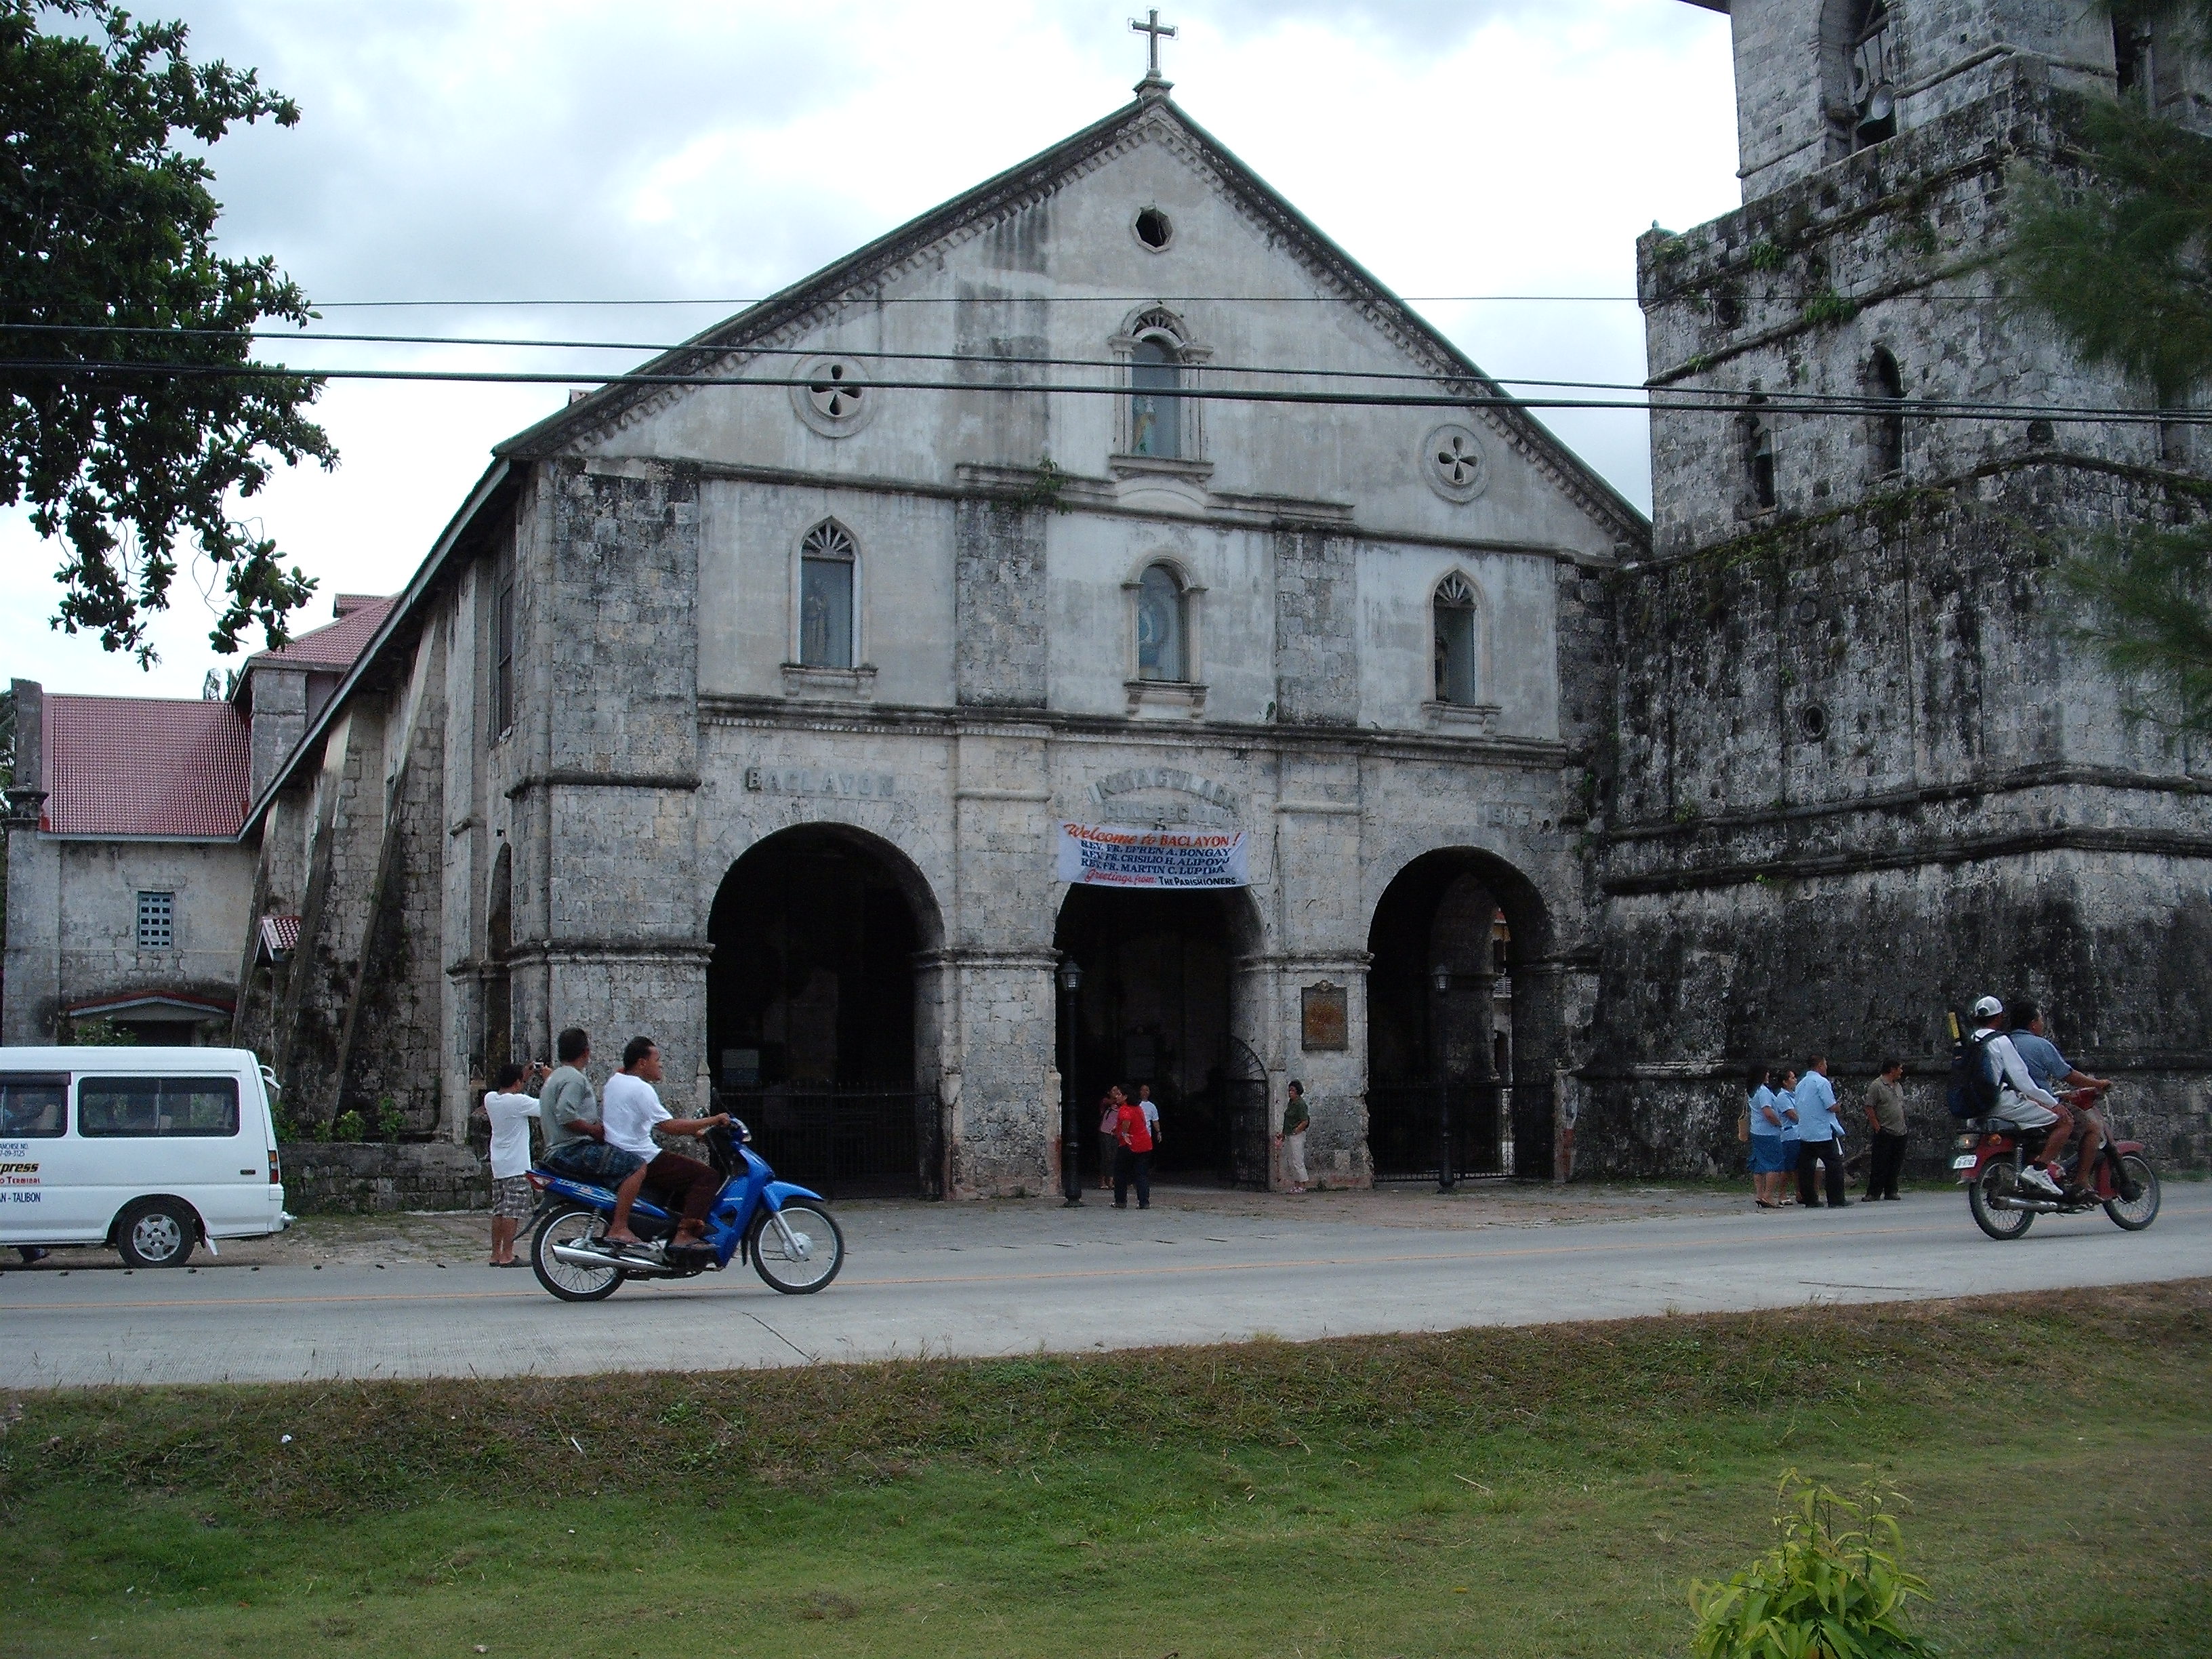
(2050, 1069)
(1820, 1135)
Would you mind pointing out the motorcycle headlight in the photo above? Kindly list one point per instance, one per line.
(1966, 1143)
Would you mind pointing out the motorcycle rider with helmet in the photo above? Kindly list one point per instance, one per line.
(2021, 1103)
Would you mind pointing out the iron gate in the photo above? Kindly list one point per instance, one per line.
(1405, 1129)
(845, 1143)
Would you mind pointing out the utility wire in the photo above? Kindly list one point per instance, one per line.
(1855, 403)
(1654, 401)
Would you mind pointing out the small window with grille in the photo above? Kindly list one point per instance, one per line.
(157, 922)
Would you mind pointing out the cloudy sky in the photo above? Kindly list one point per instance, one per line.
(470, 151)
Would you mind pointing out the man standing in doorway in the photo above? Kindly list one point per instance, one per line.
(1132, 1156)
(1885, 1111)
(1820, 1135)
(1292, 1140)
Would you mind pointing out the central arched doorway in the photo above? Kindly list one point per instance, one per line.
(1158, 1005)
(1461, 995)
(815, 1027)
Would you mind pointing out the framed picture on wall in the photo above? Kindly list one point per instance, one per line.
(1325, 1018)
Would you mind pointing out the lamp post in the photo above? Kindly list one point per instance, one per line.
(1440, 977)
(1071, 1174)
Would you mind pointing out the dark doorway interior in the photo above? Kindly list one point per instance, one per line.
(811, 1011)
(1437, 1048)
(1155, 1008)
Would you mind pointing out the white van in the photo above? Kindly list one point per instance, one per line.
(149, 1149)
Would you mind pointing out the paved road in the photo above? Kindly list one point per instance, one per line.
(961, 1281)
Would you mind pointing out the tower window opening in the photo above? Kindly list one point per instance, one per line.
(1886, 390)
(826, 563)
(1155, 411)
(2132, 66)
(1759, 456)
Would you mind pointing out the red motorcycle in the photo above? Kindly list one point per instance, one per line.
(1991, 1154)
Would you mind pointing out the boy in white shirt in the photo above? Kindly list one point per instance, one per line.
(510, 1110)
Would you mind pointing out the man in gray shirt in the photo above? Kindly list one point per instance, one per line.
(566, 1099)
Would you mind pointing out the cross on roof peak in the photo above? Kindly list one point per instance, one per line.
(1152, 27)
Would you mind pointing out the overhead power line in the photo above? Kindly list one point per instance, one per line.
(1658, 400)
(1211, 371)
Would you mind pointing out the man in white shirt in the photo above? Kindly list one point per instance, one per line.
(510, 1110)
(629, 1112)
(2020, 1101)
(1152, 1112)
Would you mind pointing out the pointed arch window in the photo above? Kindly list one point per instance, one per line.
(1885, 396)
(1458, 661)
(829, 570)
(1163, 625)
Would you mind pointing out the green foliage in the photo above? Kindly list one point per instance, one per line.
(391, 1122)
(1828, 308)
(1045, 489)
(2147, 608)
(96, 1034)
(347, 1126)
(2121, 266)
(1835, 1587)
(105, 224)
(1767, 256)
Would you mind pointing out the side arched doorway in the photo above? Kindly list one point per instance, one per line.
(1159, 1005)
(1460, 987)
(819, 1031)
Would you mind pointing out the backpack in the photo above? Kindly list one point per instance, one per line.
(1974, 1089)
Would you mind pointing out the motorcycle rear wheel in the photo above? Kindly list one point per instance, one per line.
(2002, 1226)
(819, 1236)
(569, 1280)
(2140, 1214)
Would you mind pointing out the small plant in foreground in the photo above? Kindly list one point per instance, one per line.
(391, 1122)
(1835, 1587)
(348, 1126)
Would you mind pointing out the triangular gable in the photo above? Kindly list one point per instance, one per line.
(814, 301)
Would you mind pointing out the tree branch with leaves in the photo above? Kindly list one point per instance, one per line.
(124, 445)
(2121, 265)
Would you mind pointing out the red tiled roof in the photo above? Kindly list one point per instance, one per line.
(145, 766)
(280, 936)
(334, 645)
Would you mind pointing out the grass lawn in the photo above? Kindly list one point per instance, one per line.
(1533, 1492)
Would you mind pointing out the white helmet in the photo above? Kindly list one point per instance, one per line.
(1988, 1008)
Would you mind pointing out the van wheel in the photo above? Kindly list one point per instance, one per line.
(158, 1233)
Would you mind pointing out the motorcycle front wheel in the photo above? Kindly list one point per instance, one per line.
(820, 1250)
(1999, 1225)
(2141, 1213)
(569, 1281)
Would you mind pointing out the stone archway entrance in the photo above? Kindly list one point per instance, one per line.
(1461, 987)
(1158, 1004)
(816, 1028)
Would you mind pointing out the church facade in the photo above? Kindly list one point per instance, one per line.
(744, 711)
(748, 701)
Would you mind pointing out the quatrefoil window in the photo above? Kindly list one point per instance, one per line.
(832, 396)
(1453, 461)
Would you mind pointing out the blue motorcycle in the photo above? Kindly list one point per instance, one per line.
(792, 1240)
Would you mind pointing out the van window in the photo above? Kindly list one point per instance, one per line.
(156, 1106)
(32, 1108)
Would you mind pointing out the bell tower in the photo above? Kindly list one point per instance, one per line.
(1861, 771)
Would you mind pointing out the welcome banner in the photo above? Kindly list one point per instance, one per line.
(1119, 855)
